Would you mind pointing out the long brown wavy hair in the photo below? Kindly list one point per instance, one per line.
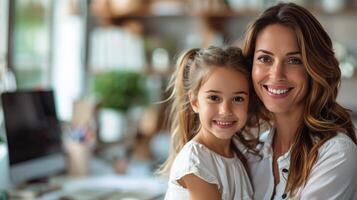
(323, 117)
(192, 69)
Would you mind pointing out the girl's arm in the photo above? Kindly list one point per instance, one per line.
(199, 189)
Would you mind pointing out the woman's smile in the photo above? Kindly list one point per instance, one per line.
(278, 91)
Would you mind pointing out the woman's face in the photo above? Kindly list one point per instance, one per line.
(279, 76)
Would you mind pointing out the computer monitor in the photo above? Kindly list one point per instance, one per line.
(33, 134)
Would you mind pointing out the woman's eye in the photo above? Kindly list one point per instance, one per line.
(294, 61)
(238, 99)
(213, 98)
(265, 59)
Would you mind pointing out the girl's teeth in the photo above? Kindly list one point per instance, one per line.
(274, 91)
(224, 123)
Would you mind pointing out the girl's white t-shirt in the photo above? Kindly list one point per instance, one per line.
(227, 173)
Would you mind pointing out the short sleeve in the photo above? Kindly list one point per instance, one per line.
(334, 176)
(193, 159)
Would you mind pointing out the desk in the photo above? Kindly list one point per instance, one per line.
(103, 181)
(150, 187)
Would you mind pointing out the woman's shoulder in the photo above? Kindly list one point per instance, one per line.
(338, 151)
(339, 144)
(334, 172)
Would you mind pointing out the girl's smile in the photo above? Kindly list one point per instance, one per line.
(224, 124)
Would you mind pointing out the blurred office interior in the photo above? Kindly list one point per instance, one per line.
(108, 63)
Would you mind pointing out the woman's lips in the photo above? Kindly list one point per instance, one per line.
(277, 91)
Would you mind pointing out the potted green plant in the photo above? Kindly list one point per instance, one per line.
(120, 90)
(117, 92)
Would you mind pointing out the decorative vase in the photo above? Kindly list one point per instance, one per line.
(112, 125)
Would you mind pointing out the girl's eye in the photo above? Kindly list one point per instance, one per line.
(265, 59)
(294, 61)
(238, 99)
(214, 98)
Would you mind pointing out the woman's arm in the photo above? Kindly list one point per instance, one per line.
(199, 189)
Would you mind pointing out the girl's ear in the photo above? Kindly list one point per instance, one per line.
(193, 101)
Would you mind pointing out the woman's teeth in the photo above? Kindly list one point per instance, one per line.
(277, 91)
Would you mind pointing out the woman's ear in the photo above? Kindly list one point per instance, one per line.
(193, 101)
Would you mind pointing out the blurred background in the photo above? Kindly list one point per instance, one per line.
(108, 63)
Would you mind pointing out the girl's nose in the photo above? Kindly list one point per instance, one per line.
(225, 108)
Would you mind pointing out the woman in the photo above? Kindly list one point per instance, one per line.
(310, 151)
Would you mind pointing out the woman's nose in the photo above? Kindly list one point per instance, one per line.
(277, 71)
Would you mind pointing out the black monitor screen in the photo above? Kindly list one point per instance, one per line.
(31, 124)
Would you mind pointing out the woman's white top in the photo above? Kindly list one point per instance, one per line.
(333, 176)
(227, 173)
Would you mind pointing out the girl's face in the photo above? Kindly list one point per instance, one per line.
(279, 76)
(222, 103)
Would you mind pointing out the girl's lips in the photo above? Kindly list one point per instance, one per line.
(224, 124)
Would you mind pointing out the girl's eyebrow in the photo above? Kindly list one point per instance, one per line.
(270, 53)
(218, 92)
(241, 92)
(213, 91)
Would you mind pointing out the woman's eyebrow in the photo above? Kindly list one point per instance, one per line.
(264, 51)
(270, 53)
(293, 53)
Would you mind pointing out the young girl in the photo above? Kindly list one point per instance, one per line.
(211, 101)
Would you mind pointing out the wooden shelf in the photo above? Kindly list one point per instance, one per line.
(147, 70)
(227, 14)
(319, 10)
(144, 12)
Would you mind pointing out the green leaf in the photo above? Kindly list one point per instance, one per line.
(120, 90)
